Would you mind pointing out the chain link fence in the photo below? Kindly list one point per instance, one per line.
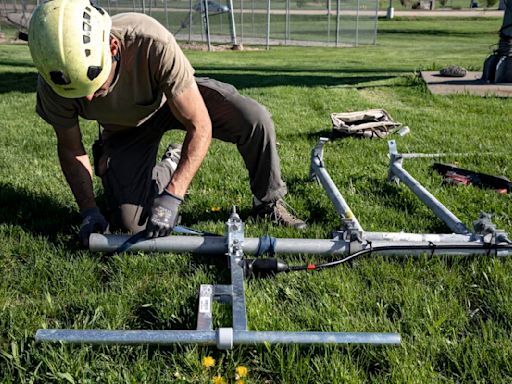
(335, 23)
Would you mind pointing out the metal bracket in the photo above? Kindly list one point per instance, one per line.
(394, 158)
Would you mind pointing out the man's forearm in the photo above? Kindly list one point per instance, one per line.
(193, 153)
(78, 172)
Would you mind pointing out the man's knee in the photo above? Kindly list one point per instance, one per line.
(130, 218)
(259, 119)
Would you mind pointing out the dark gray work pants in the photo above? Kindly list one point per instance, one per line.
(132, 180)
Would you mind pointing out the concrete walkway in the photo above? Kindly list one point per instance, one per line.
(475, 12)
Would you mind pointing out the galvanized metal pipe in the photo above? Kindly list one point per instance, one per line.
(217, 246)
(396, 172)
(334, 194)
(318, 171)
(441, 238)
(452, 221)
(211, 245)
(168, 337)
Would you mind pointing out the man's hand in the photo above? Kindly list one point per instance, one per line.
(93, 222)
(164, 214)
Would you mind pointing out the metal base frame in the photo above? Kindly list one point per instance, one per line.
(350, 239)
(232, 294)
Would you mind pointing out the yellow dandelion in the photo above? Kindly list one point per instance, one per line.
(241, 371)
(215, 209)
(208, 361)
(218, 380)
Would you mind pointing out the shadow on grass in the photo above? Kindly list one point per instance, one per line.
(26, 81)
(279, 79)
(190, 219)
(36, 213)
(18, 82)
(17, 63)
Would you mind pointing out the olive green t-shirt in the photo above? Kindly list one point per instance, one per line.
(152, 69)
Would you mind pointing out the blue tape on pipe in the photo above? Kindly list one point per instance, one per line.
(267, 244)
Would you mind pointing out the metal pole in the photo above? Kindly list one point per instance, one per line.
(166, 14)
(206, 23)
(376, 18)
(209, 245)
(328, 21)
(241, 21)
(337, 22)
(435, 238)
(357, 22)
(268, 24)
(190, 21)
(323, 247)
(318, 171)
(252, 18)
(396, 172)
(287, 22)
(239, 337)
(232, 23)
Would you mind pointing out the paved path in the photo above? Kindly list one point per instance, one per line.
(475, 12)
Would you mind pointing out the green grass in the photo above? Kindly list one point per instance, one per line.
(454, 313)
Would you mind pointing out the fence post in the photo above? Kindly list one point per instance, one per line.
(357, 22)
(268, 24)
(337, 22)
(232, 23)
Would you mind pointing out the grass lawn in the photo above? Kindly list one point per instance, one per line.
(454, 314)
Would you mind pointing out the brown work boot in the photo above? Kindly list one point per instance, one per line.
(279, 214)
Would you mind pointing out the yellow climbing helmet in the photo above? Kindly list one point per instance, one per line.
(69, 42)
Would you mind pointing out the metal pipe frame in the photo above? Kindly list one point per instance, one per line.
(338, 246)
(235, 246)
(233, 294)
(352, 228)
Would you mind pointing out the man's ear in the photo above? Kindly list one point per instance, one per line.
(114, 46)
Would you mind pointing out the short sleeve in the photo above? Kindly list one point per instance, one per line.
(55, 110)
(174, 71)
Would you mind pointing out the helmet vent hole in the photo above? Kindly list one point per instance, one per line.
(87, 39)
(87, 16)
(59, 78)
(87, 27)
(93, 72)
(87, 52)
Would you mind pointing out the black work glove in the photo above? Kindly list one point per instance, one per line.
(164, 215)
(92, 222)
